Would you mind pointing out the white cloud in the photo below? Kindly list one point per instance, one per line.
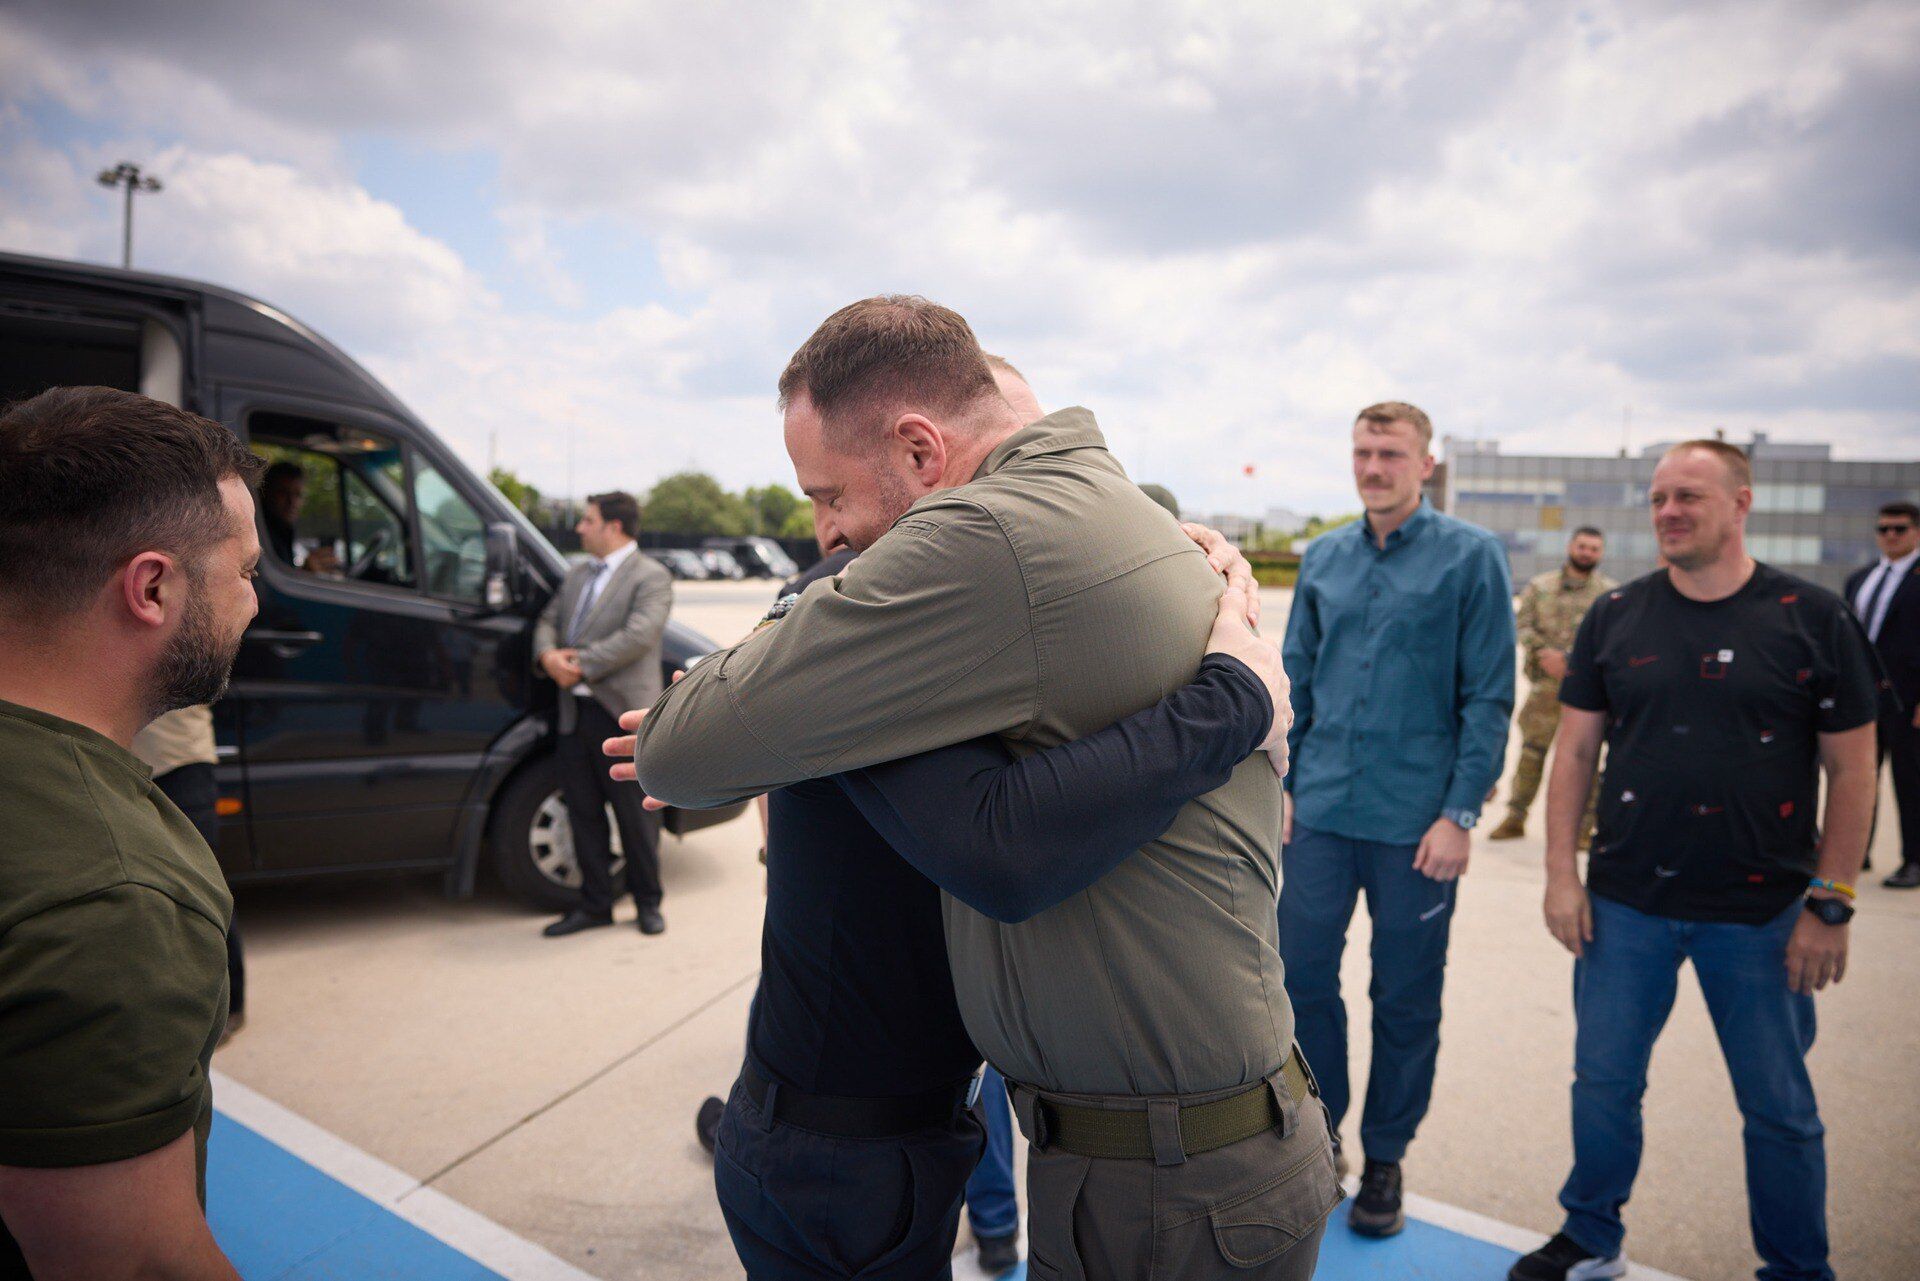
(1223, 225)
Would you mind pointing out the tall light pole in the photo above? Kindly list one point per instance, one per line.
(127, 174)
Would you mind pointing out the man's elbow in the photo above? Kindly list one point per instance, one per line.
(669, 775)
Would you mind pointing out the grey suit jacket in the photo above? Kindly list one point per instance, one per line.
(619, 641)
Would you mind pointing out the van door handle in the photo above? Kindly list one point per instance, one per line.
(284, 644)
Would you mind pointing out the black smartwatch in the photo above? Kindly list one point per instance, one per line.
(1830, 910)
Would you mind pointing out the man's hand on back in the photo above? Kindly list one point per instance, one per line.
(1234, 637)
(1554, 663)
(1443, 851)
(1229, 562)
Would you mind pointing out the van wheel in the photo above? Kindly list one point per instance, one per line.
(532, 840)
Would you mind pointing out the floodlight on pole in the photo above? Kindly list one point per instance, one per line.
(127, 174)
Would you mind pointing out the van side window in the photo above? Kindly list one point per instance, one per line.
(334, 500)
(453, 537)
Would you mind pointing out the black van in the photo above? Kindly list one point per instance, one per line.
(384, 714)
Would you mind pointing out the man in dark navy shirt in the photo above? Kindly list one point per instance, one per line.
(1721, 687)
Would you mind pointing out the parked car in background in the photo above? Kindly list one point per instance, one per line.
(759, 557)
(681, 562)
(721, 564)
(384, 713)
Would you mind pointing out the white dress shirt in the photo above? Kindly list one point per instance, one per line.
(591, 597)
(1872, 598)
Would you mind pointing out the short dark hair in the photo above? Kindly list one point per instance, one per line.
(1586, 531)
(875, 354)
(1901, 507)
(90, 477)
(617, 504)
(283, 470)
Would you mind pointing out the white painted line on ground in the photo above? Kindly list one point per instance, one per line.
(434, 1213)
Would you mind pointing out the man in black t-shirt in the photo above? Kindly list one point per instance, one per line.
(1721, 688)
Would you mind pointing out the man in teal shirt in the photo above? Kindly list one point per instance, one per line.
(1401, 649)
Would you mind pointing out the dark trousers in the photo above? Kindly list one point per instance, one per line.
(1623, 990)
(802, 1206)
(589, 790)
(1900, 743)
(1323, 876)
(193, 792)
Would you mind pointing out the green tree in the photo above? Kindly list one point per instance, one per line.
(772, 508)
(692, 502)
(799, 523)
(1164, 496)
(514, 490)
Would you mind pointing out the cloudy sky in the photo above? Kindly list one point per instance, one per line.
(1224, 226)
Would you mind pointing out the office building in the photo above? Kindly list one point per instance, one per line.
(1813, 514)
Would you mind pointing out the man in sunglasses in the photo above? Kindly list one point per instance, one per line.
(1886, 596)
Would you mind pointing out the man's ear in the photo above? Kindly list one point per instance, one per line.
(147, 588)
(924, 448)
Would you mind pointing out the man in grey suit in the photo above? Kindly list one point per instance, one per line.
(599, 639)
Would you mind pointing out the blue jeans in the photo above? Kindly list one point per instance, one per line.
(991, 1208)
(1322, 877)
(1623, 989)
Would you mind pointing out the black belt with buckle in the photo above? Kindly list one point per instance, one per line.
(850, 1117)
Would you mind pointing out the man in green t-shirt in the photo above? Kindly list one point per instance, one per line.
(127, 555)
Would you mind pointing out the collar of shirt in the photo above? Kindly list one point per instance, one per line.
(613, 558)
(1058, 432)
(1410, 529)
(1904, 564)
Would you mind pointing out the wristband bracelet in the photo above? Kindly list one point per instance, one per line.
(1838, 887)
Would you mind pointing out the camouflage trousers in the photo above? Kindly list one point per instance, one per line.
(1538, 721)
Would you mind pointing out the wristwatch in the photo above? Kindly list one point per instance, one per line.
(1462, 819)
(1830, 910)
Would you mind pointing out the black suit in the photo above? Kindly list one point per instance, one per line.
(1898, 645)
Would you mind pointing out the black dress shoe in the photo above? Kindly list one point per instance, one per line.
(1907, 878)
(651, 922)
(706, 1122)
(575, 921)
(999, 1254)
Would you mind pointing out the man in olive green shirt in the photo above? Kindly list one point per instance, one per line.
(127, 554)
(1551, 608)
(1014, 581)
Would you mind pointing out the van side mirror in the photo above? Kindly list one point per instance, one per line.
(503, 567)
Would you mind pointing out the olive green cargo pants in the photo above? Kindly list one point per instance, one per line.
(1251, 1211)
(1538, 722)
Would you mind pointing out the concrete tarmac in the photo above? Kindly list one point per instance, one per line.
(551, 1084)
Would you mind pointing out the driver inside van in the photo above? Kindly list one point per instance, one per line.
(283, 493)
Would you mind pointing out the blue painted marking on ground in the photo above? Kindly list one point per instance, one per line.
(279, 1219)
(1422, 1252)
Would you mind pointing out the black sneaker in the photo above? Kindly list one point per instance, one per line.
(1376, 1206)
(1561, 1259)
(706, 1122)
(999, 1254)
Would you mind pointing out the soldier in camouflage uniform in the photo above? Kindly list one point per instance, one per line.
(1550, 612)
